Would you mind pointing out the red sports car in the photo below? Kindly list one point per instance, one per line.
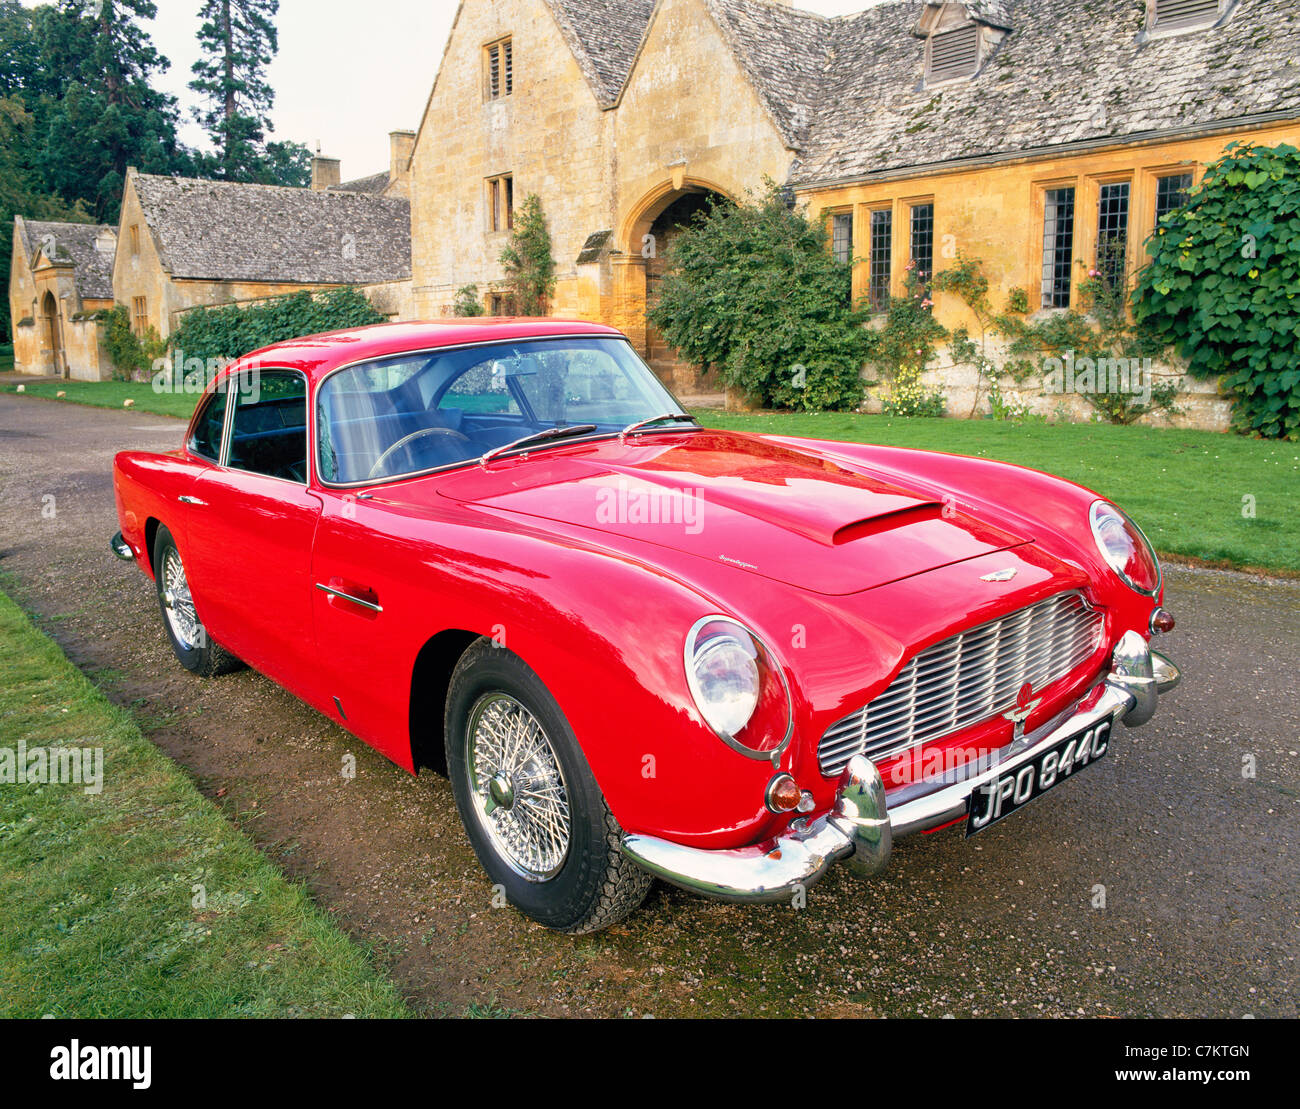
(502, 550)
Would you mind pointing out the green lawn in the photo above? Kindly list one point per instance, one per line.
(110, 394)
(1186, 488)
(97, 900)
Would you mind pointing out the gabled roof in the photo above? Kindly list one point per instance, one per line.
(1068, 72)
(75, 243)
(220, 230)
(604, 36)
(785, 53)
(374, 185)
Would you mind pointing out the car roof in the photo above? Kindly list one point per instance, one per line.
(317, 355)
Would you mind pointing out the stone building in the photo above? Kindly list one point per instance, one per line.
(1020, 132)
(60, 273)
(186, 243)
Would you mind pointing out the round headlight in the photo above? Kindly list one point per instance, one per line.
(739, 690)
(1125, 548)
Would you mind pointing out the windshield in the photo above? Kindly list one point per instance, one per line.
(417, 412)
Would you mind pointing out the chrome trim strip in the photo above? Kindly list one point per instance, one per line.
(340, 595)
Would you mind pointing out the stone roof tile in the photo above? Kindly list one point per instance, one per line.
(220, 230)
(75, 243)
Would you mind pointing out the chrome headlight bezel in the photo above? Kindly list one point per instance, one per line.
(1101, 508)
(768, 670)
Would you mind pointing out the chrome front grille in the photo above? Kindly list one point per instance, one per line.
(967, 679)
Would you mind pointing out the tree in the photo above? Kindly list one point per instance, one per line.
(238, 39)
(530, 269)
(754, 290)
(21, 192)
(1223, 285)
(106, 116)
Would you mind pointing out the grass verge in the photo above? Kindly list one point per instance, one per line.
(100, 907)
(110, 394)
(1193, 492)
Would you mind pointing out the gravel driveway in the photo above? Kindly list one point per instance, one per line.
(1161, 882)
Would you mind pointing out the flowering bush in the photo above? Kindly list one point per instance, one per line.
(908, 396)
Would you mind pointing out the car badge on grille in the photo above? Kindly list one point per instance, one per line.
(1026, 702)
(1001, 575)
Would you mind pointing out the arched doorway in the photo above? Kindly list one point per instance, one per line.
(53, 335)
(651, 233)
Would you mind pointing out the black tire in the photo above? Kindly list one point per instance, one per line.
(200, 654)
(596, 885)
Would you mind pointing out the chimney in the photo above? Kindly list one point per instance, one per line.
(325, 173)
(401, 145)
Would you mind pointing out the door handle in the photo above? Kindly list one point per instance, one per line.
(193, 500)
(351, 598)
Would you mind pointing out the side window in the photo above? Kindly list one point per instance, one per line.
(482, 389)
(269, 435)
(206, 439)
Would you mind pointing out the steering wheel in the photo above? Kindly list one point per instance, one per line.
(422, 433)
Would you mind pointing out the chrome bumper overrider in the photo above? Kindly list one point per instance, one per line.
(864, 822)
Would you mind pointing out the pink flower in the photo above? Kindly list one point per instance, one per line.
(1094, 273)
(927, 303)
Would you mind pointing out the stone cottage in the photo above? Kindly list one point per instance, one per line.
(60, 274)
(185, 243)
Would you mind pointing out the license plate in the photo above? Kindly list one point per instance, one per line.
(1015, 789)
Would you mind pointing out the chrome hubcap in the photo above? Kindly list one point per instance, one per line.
(178, 603)
(517, 787)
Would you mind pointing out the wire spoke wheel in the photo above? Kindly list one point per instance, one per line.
(178, 602)
(518, 790)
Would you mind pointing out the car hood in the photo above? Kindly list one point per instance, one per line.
(796, 516)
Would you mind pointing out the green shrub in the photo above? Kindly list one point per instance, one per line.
(130, 353)
(1223, 281)
(529, 266)
(908, 396)
(467, 303)
(752, 290)
(233, 331)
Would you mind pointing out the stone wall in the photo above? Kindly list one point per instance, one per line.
(1199, 402)
(550, 135)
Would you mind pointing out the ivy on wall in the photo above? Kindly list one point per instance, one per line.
(1223, 285)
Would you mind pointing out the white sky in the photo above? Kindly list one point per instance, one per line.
(347, 72)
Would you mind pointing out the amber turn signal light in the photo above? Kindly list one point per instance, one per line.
(783, 794)
(1162, 622)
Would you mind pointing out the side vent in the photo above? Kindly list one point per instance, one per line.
(955, 53)
(1184, 13)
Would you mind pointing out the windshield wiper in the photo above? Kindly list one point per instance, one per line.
(642, 425)
(538, 437)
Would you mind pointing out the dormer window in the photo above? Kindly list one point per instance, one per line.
(953, 54)
(1176, 17)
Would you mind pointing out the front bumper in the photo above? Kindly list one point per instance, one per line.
(864, 822)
